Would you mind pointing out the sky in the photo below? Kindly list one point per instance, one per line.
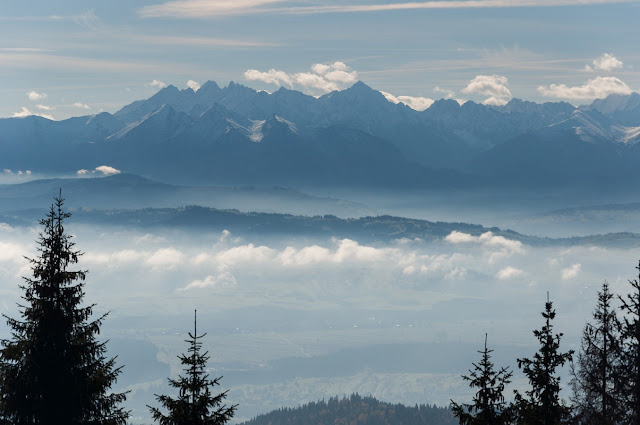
(78, 57)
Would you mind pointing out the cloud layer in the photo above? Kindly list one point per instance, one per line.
(199, 9)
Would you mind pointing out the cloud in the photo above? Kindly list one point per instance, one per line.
(508, 273)
(45, 107)
(607, 62)
(278, 78)
(223, 278)
(597, 88)
(323, 78)
(202, 8)
(82, 172)
(193, 85)
(199, 9)
(34, 96)
(571, 272)
(106, 170)
(165, 259)
(156, 83)
(81, 105)
(24, 112)
(499, 246)
(493, 86)
(417, 103)
(448, 94)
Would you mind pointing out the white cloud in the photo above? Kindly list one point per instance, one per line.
(165, 259)
(597, 88)
(456, 237)
(417, 103)
(156, 83)
(45, 107)
(26, 113)
(34, 96)
(607, 62)
(81, 105)
(199, 9)
(448, 94)
(106, 170)
(278, 78)
(493, 86)
(223, 278)
(508, 273)
(499, 246)
(4, 227)
(323, 78)
(103, 169)
(571, 272)
(193, 85)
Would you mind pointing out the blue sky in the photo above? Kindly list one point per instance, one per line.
(78, 57)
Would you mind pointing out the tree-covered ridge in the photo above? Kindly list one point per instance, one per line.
(356, 410)
(382, 228)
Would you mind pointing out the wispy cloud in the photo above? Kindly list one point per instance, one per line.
(597, 88)
(323, 78)
(81, 105)
(206, 9)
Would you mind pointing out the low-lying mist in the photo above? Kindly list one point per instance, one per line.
(292, 319)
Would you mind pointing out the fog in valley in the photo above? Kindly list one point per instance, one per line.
(297, 317)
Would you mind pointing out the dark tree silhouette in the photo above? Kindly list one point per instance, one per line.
(596, 383)
(630, 359)
(195, 405)
(542, 404)
(489, 406)
(52, 369)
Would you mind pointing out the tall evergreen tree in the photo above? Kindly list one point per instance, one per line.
(53, 370)
(489, 406)
(596, 383)
(195, 405)
(541, 405)
(630, 358)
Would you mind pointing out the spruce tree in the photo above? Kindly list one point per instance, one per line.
(541, 405)
(52, 369)
(630, 358)
(195, 404)
(596, 382)
(489, 406)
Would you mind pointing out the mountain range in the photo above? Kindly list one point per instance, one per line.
(355, 137)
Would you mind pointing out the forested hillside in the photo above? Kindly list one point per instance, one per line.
(356, 410)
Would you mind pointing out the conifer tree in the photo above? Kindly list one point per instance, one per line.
(541, 405)
(52, 369)
(195, 404)
(597, 384)
(630, 358)
(489, 406)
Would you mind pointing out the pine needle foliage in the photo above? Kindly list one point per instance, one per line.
(489, 406)
(195, 404)
(52, 368)
(630, 331)
(597, 383)
(541, 405)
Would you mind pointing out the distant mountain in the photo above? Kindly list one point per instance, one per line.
(127, 191)
(355, 137)
(356, 410)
